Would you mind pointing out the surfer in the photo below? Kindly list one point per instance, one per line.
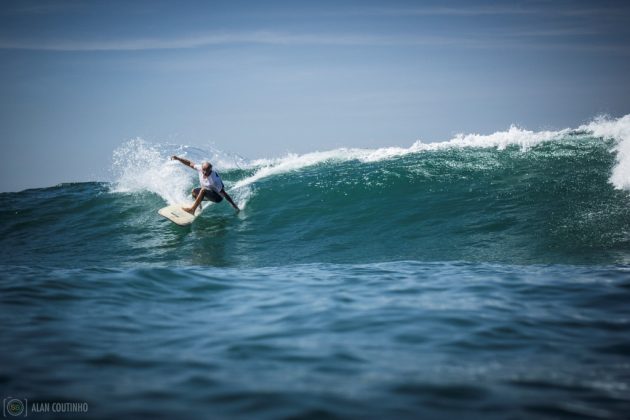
(211, 185)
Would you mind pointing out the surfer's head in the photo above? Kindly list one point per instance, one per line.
(206, 168)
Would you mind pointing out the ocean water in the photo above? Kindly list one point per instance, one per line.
(481, 277)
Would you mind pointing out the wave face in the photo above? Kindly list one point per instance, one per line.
(514, 197)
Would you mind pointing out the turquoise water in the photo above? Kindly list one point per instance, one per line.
(484, 278)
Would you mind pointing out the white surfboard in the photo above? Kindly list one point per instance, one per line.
(175, 214)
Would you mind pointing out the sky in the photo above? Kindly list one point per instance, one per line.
(265, 78)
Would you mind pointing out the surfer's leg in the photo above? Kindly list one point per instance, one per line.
(192, 209)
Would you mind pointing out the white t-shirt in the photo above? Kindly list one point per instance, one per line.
(211, 182)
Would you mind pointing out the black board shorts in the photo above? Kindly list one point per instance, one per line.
(209, 195)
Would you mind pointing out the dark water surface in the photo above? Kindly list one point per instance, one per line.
(402, 339)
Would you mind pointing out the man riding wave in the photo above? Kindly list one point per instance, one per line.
(211, 185)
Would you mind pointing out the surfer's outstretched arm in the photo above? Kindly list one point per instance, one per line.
(184, 161)
(229, 199)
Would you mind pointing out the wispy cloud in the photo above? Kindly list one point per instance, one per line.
(451, 11)
(490, 41)
(205, 40)
(480, 10)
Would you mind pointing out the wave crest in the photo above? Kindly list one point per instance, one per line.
(142, 166)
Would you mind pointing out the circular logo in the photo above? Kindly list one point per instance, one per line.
(15, 407)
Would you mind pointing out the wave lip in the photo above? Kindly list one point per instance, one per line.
(602, 127)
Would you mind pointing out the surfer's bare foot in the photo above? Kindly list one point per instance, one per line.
(188, 210)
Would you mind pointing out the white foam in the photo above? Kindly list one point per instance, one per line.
(515, 136)
(292, 162)
(618, 129)
(140, 166)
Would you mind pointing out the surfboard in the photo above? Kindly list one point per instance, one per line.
(175, 214)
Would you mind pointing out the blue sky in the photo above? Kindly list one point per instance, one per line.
(261, 79)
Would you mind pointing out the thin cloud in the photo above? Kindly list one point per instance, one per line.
(268, 38)
(452, 11)
(495, 10)
(288, 39)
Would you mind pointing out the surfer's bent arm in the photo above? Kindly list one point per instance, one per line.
(229, 199)
(184, 161)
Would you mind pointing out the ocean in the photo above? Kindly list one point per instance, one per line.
(487, 276)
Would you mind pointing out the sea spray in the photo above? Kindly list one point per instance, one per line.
(139, 165)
